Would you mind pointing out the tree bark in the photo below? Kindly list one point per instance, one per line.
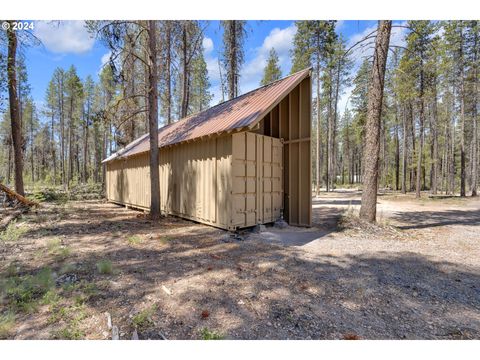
(404, 151)
(452, 148)
(9, 165)
(62, 130)
(232, 71)
(54, 157)
(14, 109)
(475, 120)
(411, 125)
(168, 66)
(71, 165)
(435, 139)
(462, 137)
(397, 152)
(32, 165)
(317, 164)
(421, 130)
(184, 104)
(335, 121)
(85, 145)
(329, 140)
(368, 209)
(153, 120)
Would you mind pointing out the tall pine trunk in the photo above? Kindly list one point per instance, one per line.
(153, 120)
(404, 151)
(319, 144)
(232, 61)
(32, 165)
(329, 139)
(54, 156)
(168, 66)
(413, 153)
(434, 130)
(14, 109)
(452, 150)
(71, 164)
(184, 104)
(397, 152)
(368, 209)
(421, 135)
(475, 119)
(462, 137)
(85, 147)
(62, 132)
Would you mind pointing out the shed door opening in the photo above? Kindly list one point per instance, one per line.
(257, 171)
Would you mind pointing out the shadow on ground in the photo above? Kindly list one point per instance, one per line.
(428, 219)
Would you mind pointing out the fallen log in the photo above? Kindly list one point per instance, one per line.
(12, 194)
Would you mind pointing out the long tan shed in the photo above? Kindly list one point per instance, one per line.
(241, 163)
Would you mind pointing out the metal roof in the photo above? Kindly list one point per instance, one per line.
(240, 113)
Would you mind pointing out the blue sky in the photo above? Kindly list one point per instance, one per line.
(67, 42)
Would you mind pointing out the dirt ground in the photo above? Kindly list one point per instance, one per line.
(416, 276)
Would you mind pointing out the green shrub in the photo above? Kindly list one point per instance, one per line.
(143, 319)
(105, 267)
(13, 232)
(72, 316)
(69, 332)
(48, 194)
(207, 334)
(90, 191)
(23, 292)
(50, 297)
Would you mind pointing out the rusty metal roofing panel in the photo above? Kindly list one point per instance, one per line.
(239, 113)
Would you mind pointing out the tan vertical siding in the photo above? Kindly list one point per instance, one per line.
(128, 181)
(194, 180)
(256, 178)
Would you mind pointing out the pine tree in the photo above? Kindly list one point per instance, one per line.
(30, 128)
(368, 208)
(418, 46)
(14, 107)
(200, 84)
(89, 93)
(233, 54)
(51, 112)
(74, 93)
(272, 70)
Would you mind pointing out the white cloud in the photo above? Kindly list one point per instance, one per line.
(279, 39)
(211, 60)
(64, 36)
(105, 58)
(207, 45)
